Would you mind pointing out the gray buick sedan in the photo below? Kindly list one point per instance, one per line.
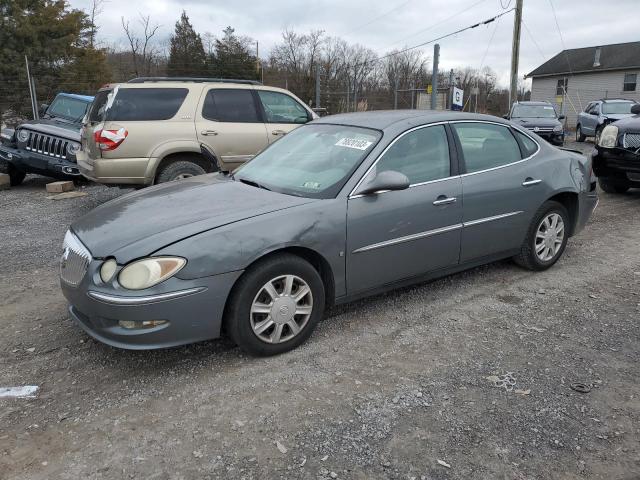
(341, 208)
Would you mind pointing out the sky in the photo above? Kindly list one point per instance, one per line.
(384, 25)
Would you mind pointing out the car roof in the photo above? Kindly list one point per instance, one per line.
(86, 98)
(616, 100)
(396, 119)
(532, 102)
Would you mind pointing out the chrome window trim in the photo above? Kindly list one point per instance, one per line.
(436, 231)
(121, 300)
(352, 195)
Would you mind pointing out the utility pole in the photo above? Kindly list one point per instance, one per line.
(451, 89)
(317, 85)
(434, 77)
(413, 91)
(515, 53)
(395, 92)
(32, 92)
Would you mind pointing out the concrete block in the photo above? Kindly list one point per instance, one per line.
(59, 187)
(5, 181)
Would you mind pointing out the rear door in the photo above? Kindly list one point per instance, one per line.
(230, 123)
(502, 187)
(282, 113)
(591, 119)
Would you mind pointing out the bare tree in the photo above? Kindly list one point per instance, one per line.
(96, 9)
(142, 50)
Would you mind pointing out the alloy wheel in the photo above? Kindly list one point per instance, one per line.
(281, 309)
(549, 237)
(182, 176)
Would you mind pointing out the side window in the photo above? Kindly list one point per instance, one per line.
(595, 109)
(485, 145)
(530, 147)
(281, 108)
(561, 87)
(230, 105)
(630, 81)
(422, 155)
(145, 104)
(587, 109)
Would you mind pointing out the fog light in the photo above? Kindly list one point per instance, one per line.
(133, 324)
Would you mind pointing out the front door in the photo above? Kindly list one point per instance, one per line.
(402, 234)
(282, 113)
(501, 190)
(229, 123)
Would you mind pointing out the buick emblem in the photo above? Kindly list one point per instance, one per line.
(536, 129)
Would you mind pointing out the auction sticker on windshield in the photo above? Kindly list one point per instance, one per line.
(353, 143)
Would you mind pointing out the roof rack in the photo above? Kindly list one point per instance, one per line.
(192, 79)
(617, 99)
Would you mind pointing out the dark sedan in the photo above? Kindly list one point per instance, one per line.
(340, 208)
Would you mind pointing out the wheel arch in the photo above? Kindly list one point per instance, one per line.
(570, 201)
(168, 153)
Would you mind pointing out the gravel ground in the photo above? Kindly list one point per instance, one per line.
(394, 386)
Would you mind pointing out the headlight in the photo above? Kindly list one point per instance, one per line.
(608, 137)
(23, 135)
(149, 272)
(73, 148)
(108, 269)
(558, 129)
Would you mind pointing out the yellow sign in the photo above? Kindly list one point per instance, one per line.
(429, 88)
(559, 99)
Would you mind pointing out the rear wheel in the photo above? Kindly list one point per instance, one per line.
(15, 176)
(179, 170)
(580, 137)
(275, 305)
(547, 237)
(612, 186)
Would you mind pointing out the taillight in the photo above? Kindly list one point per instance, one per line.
(109, 139)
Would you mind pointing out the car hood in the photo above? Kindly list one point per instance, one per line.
(140, 223)
(629, 123)
(56, 127)
(617, 116)
(530, 122)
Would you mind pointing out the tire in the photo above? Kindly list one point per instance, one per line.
(611, 186)
(15, 176)
(529, 257)
(596, 138)
(580, 137)
(179, 170)
(241, 319)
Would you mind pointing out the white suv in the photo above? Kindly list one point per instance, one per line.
(153, 130)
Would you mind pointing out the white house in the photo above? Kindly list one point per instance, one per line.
(577, 76)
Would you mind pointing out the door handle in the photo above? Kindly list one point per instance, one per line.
(278, 132)
(444, 200)
(206, 133)
(530, 181)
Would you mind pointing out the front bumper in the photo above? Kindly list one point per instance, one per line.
(32, 162)
(617, 163)
(193, 310)
(552, 137)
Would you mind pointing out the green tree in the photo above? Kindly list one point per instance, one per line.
(56, 39)
(186, 56)
(233, 57)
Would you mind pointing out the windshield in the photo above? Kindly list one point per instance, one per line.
(312, 161)
(67, 107)
(533, 111)
(617, 107)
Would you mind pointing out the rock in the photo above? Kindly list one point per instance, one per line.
(197, 454)
(281, 447)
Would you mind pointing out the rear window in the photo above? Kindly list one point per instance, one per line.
(96, 114)
(140, 104)
(530, 147)
(230, 105)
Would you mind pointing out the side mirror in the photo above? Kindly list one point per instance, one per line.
(387, 180)
(561, 117)
(505, 116)
(635, 109)
(43, 108)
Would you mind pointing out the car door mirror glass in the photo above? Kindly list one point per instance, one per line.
(384, 181)
(635, 109)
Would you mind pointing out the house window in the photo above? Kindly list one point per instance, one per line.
(561, 89)
(630, 80)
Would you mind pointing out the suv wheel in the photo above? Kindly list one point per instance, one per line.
(580, 137)
(179, 170)
(15, 176)
(547, 237)
(275, 305)
(611, 186)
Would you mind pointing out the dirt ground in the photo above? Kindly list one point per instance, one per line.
(394, 386)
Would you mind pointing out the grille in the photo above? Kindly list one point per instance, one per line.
(631, 140)
(75, 260)
(540, 129)
(47, 145)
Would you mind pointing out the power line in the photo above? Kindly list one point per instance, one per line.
(379, 17)
(534, 41)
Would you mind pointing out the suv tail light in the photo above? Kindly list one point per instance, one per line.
(110, 139)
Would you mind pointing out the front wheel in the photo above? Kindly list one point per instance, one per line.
(275, 306)
(580, 137)
(15, 176)
(546, 238)
(611, 186)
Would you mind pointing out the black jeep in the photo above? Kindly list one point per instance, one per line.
(616, 158)
(47, 146)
